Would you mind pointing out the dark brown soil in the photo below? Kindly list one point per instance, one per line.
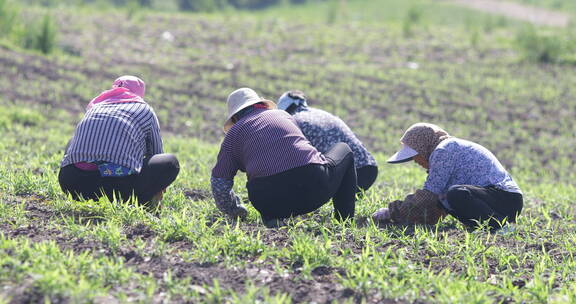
(64, 78)
(189, 103)
(197, 194)
(321, 288)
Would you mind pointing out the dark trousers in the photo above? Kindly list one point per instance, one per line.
(473, 204)
(304, 189)
(157, 173)
(366, 177)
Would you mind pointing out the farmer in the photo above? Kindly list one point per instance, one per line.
(323, 130)
(117, 149)
(464, 180)
(287, 176)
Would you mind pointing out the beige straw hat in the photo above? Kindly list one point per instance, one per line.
(240, 99)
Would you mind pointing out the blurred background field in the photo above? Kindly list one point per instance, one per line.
(380, 65)
(552, 4)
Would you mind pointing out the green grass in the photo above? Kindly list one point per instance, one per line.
(20, 29)
(470, 79)
(558, 5)
(444, 264)
(388, 13)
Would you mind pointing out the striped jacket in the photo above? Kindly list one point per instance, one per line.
(264, 143)
(119, 133)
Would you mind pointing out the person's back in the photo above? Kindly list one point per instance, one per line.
(254, 141)
(122, 133)
(116, 150)
(464, 180)
(324, 130)
(287, 176)
(461, 162)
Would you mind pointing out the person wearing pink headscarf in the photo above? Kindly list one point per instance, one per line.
(124, 89)
(116, 150)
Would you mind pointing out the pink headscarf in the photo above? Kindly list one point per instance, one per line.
(124, 89)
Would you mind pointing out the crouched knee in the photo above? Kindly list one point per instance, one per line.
(456, 195)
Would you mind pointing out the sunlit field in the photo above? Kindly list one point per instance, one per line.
(380, 65)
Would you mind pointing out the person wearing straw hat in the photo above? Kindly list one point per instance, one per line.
(464, 180)
(117, 150)
(287, 176)
(323, 130)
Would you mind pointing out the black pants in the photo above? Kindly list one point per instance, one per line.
(157, 173)
(366, 176)
(472, 204)
(304, 189)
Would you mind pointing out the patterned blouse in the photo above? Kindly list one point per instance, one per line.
(324, 130)
(460, 162)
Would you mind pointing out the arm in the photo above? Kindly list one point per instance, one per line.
(421, 207)
(226, 200)
(155, 145)
(222, 180)
(442, 164)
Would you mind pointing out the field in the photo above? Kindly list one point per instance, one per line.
(559, 5)
(381, 65)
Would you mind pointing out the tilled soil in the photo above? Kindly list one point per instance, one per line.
(323, 287)
(188, 90)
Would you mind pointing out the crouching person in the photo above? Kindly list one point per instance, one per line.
(464, 180)
(324, 130)
(287, 176)
(117, 150)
